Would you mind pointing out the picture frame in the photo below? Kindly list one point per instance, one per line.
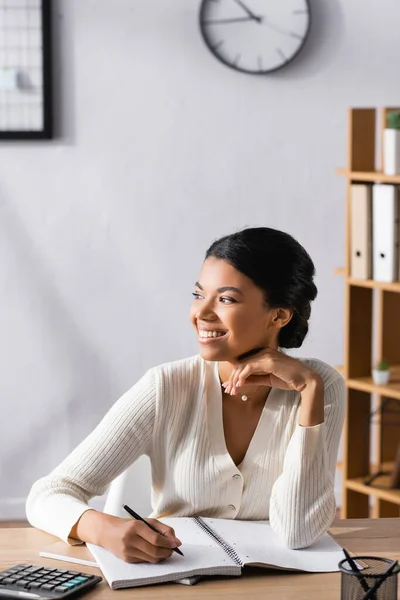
(26, 103)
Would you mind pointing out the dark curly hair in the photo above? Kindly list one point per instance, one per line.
(280, 267)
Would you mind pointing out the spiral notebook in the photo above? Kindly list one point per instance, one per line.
(218, 547)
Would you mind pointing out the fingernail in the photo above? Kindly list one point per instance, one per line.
(225, 384)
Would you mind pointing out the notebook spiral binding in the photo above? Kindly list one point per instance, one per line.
(224, 545)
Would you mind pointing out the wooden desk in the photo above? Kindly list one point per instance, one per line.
(373, 537)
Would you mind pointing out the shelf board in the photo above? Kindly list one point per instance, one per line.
(393, 286)
(340, 369)
(373, 176)
(366, 384)
(370, 283)
(380, 489)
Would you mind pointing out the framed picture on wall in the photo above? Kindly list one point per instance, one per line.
(25, 70)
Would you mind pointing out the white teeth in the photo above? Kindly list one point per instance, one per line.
(209, 334)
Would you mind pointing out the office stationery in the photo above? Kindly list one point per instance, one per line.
(219, 547)
(385, 215)
(378, 573)
(361, 231)
(35, 581)
(139, 518)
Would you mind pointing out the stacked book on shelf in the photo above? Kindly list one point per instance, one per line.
(374, 232)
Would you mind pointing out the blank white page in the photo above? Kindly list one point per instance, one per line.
(256, 542)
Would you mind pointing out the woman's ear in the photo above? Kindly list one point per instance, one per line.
(282, 317)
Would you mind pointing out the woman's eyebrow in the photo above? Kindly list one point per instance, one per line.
(221, 290)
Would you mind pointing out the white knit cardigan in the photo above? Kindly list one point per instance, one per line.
(174, 415)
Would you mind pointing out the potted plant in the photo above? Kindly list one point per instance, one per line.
(391, 144)
(381, 373)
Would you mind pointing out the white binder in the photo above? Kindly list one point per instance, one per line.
(385, 215)
(361, 231)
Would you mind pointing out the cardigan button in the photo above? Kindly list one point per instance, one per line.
(237, 476)
(232, 507)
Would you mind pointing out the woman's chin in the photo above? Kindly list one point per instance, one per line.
(213, 354)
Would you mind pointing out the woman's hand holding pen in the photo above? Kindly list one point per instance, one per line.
(134, 541)
(273, 368)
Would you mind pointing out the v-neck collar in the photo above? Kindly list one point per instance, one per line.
(215, 425)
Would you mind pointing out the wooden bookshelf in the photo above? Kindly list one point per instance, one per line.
(372, 328)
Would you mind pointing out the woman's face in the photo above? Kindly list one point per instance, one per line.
(229, 313)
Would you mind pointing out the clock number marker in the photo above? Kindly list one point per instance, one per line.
(260, 63)
(279, 51)
(236, 60)
(296, 35)
(217, 45)
(300, 11)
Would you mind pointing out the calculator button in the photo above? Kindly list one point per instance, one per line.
(86, 575)
(48, 586)
(34, 585)
(33, 569)
(8, 580)
(61, 571)
(73, 573)
(61, 589)
(81, 579)
(22, 582)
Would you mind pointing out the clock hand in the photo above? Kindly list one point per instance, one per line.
(277, 29)
(248, 11)
(236, 20)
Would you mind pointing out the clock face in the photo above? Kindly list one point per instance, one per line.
(255, 36)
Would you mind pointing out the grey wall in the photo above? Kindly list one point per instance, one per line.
(161, 149)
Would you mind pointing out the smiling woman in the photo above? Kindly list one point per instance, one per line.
(240, 430)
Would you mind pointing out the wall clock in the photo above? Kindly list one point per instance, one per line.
(255, 36)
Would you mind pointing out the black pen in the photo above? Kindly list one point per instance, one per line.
(139, 518)
(355, 569)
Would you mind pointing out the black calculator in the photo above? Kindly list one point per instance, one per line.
(33, 582)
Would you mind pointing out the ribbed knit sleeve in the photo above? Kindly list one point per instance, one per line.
(302, 504)
(57, 501)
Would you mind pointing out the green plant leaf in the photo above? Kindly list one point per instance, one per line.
(383, 365)
(393, 120)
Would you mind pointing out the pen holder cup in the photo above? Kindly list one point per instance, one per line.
(371, 582)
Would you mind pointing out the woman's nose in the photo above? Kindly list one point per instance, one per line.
(205, 310)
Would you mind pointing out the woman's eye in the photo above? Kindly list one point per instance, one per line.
(223, 299)
(227, 300)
